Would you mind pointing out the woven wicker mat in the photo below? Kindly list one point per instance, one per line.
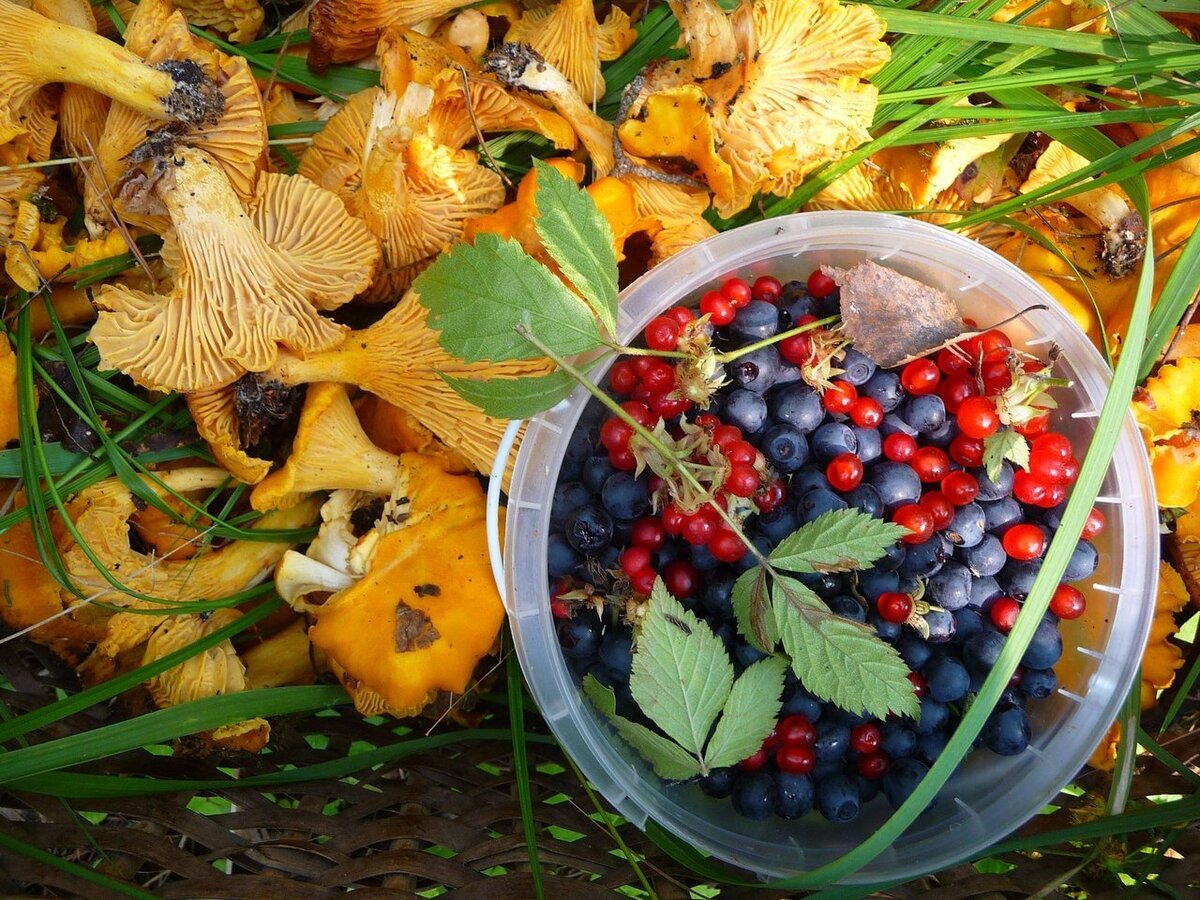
(448, 818)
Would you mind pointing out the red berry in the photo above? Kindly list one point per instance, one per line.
(844, 472)
(990, 341)
(770, 496)
(639, 412)
(1055, 494)
(741, 480)
(741, 452)
(839, 397)
(931, 464)
(1048, 468)
(665, 407)
(737, 292)
(755, 760)
(1004, 612)
(1034, 427)
(682, 315)
(918, 683)
(724, 436)
(899, 447)
(866, 413)
(623, 377)
(1024, 541)
(718, 309)
(1068, 602)
(1071, 471)
(615, 434)
(957, 388)
(917, 520)
(560, 609)
(977, 417)
(865, 738)
(634, 559)
(1027, 488)
(796, 349)
(673, 520)
(820, 285)
(642, 363)
(960, 488)
(643, 581)
(796, 731)
(624, 460)
(938, 506)
(726, 546)
(767, 288)
(700, 527)
(921, 376)
(966, 451)
(894, 606)
(659, 377)
(648, 532)
(707, 420)
(795, 760)
(662, 333)
(873, 766)
(995, 376)
(1094, 525)
(952, 362)
(682, 579)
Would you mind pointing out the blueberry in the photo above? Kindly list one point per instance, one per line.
(884, 388)
(833, 439)
(799, 702)
(870, 444)
(579, 636)
(745, 410)
(785, 447)
(951, 587)
(1007, 732)
(716, 595)
(838, 798)
(1017, 576)
(794, 797)
(826, 584)
(898, 741)
(983, 589)
(796, 301)
(669, 552)
(589, 529)
(833, 740)
(857, 368)
(986, 558)
(816, 503)
(1052, 517)
(893, 423)
(616, 652)
(608, 558)
(994, 490)
(999, 514)
(1038, 683)
(753, 322)
(579, 450)
(754, 795)
(596, 471)
(941, 626)
(561, 558)
(747, 655)
(967, 623)
(848, 608)
(981, 652)
(884, 630)
(947, 678)
(759, 370)
(967, 527)
(1046, 647)
(830, 304)
(1010, 697)
(873, 582)
(718, 782)
(866, 499)
(777, 524)
(930, 746)
(749, 560)
(1083, 561)
(868, 789)
(892, 559)
(896, 482)
(925, 559)
(934, 716)
(943, 436)
(926, 413)
(809, 478)
(625, 496)
(797, 405)
(901, 779)
(703, 559)
(914, 651)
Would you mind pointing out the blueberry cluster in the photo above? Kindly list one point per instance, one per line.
(904, 444)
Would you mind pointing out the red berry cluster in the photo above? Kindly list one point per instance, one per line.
(791, 744)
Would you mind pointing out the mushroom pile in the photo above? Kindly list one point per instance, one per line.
(238, 241)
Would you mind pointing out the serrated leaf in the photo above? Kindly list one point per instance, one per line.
(844, 662)
(579, 239)
(837, 541)
(667, 758)
(477, 294)
(1004, 444)
(681, 673)
(513, 398)
(752, 607)
(749, 714)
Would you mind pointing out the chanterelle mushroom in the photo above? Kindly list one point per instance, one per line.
(38, 51)
(346, 30)
(240, 19)
(421, 608)
(246, 279)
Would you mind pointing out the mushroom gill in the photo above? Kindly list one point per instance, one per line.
(347, 30)
(239, 19)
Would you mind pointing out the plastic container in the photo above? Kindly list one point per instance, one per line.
(989, 796)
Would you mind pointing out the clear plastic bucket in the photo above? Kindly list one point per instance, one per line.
(989, 796)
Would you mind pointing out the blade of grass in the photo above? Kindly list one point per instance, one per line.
(1183, 691)
(1163, 815)
(1167, 758)
(1177, 294)
(99, 879)
(516, 717)
(1129, 719)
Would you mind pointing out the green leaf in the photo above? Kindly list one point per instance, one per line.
(752, 607)
(580, 240)
(837, 541)
(1004, 444)
(477, 295)
(840, 660)
(667, 758)
(513, 398)
(681, 673)
(749, 715)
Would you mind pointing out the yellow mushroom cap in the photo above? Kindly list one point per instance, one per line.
(346, 30)
(239, 19)
(247, 280)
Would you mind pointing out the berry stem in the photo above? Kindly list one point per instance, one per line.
(731, 355)
(646, 351)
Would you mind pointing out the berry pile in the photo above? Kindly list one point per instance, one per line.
(905, 444)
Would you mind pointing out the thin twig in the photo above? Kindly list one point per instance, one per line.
(470, 104)
(110, 208)
(1184, 322)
